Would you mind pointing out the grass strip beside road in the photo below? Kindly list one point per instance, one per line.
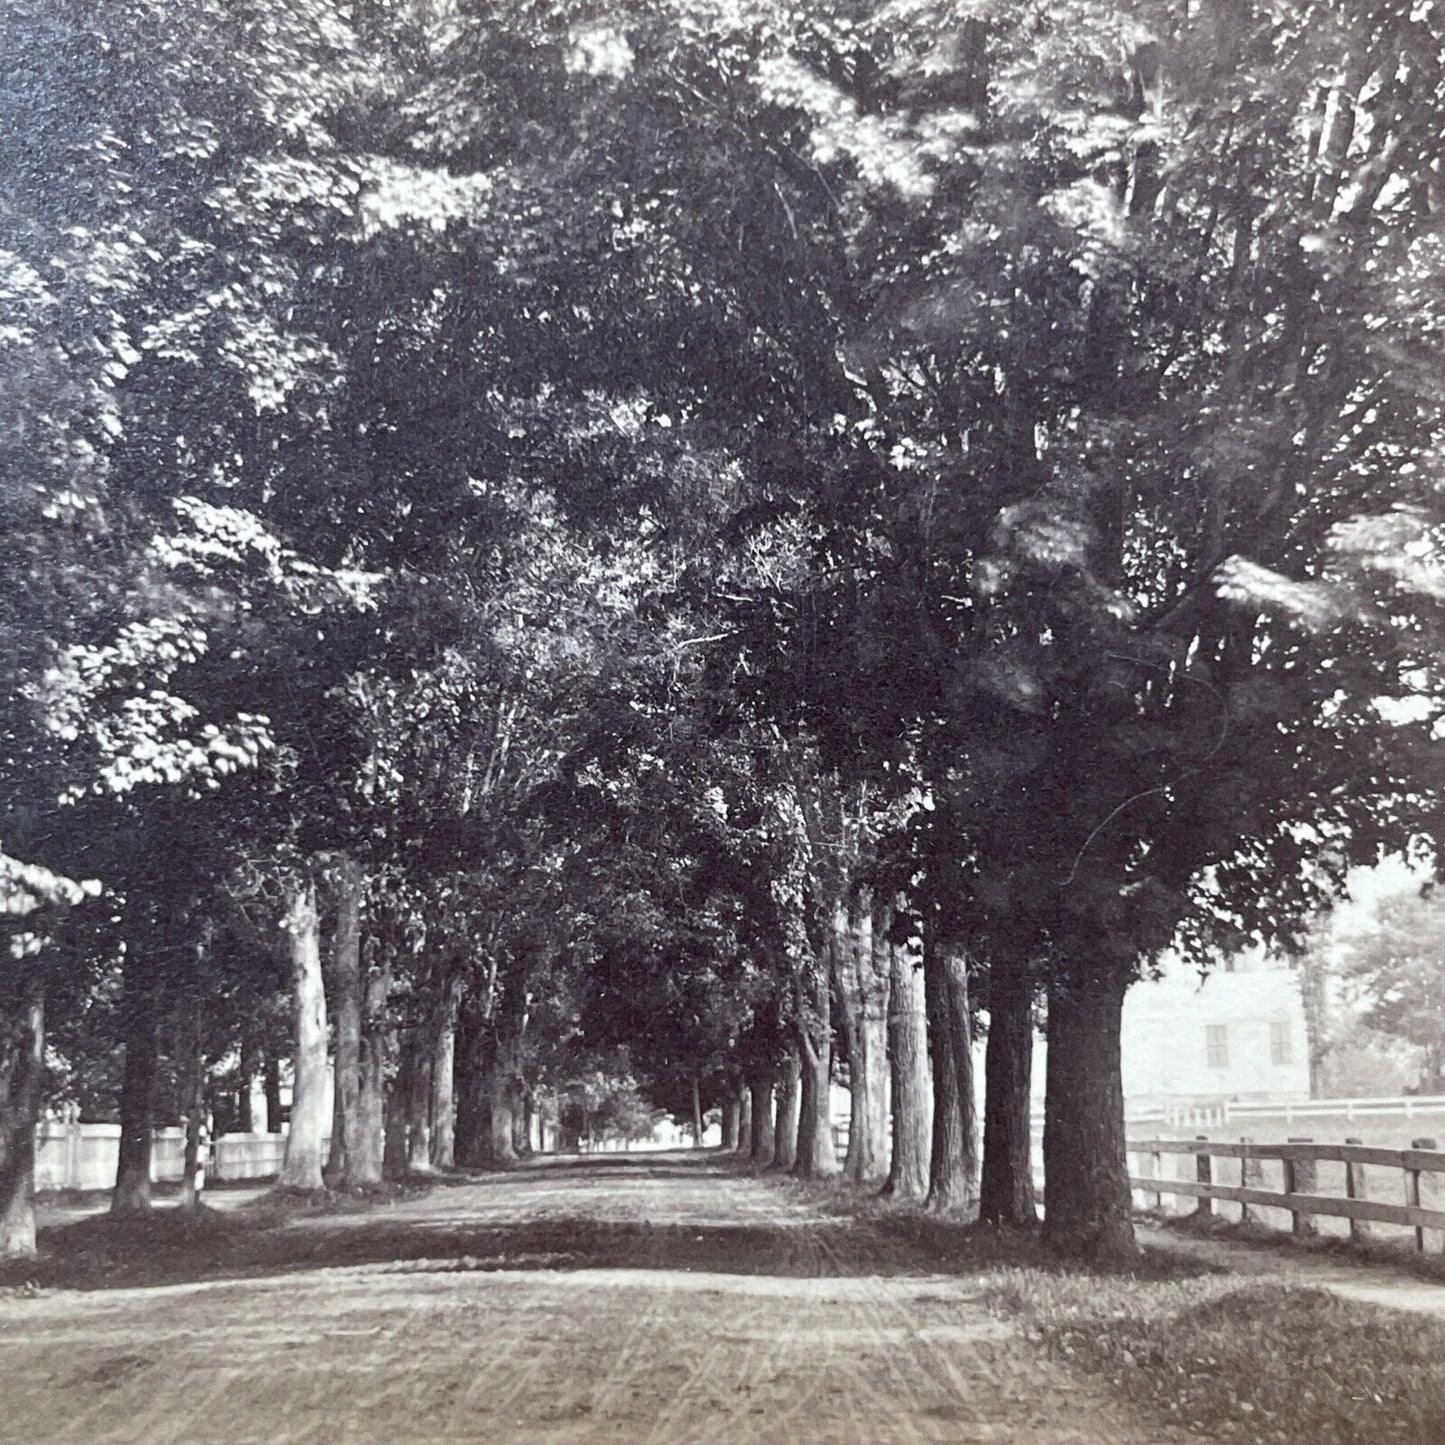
(1260, 1364)
(1397, 1254)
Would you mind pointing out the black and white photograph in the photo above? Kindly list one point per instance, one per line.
(722, 722)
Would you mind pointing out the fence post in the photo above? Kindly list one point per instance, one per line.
(1251, 1176)
(1299, 1178)
(1355, 1189)
(1156, 1163)
(1204, 1173)
(1412, 1189)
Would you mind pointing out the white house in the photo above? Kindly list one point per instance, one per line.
(1237, 1035)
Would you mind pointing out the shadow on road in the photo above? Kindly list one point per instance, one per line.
(596, 1167)
(104, 1253)
(546, 1214)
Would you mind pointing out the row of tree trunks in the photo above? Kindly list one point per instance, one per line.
(431, 1099)
(493, 1106)
(141, 1014)
(1087, 1195)
(935, 1147)
(372, 1135)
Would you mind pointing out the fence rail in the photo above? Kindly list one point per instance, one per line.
(1206, 1114)
(1300, 1197)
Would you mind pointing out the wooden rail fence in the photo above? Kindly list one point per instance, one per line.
(1299, 1160)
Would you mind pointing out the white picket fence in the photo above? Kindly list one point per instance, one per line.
(1220, 1114)
(70, 1155)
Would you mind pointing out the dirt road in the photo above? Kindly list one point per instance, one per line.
(621, 1298)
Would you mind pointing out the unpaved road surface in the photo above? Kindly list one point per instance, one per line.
(635, 1299)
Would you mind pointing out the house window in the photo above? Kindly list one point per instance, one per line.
(1280, 1050)
(1216, 1045)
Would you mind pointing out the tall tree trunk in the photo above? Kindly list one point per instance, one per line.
(301, 1166)
(503, 1098)
(246, 1075)
(1007, 1191)
(398, 1107)
(346, 1004)
(876, 1160)
(418, 1043)
(912, 1086)
(1086, 1176)
(817, 1158)
(1312, 972)
(761, 1143)
(22, 1064)
(785, 1122)
(696, 1114)
(732, 1114)
(843, 959)
(524, 1129)
(863, 987)
(271, 1083)
(502, 1131)
(960, 1015)
(366, 1125)
(193, 1102)
(745, 1117)
(954, 1157)
(132, 1193)
(807, 1116)
(443, 1070)
(471, 1148)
